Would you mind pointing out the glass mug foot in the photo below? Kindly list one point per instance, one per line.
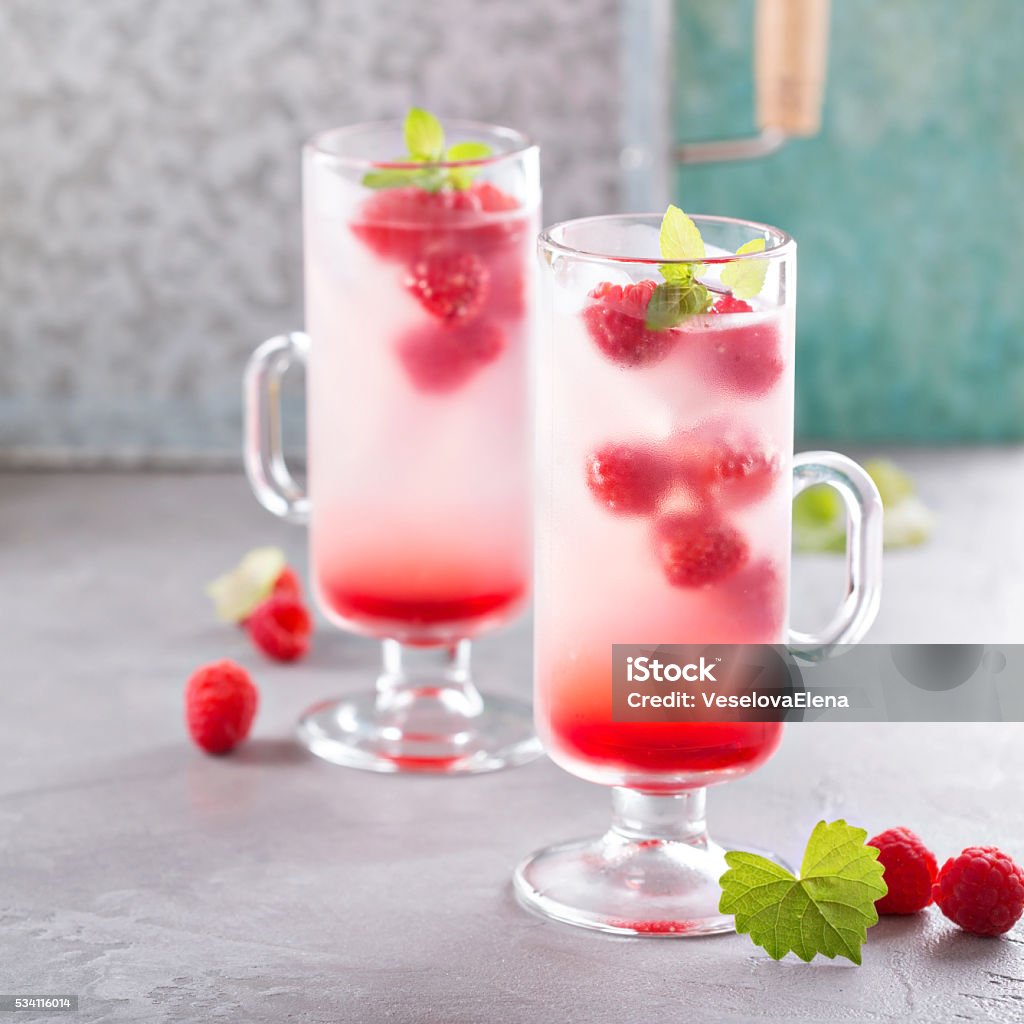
(426, 717)
(654, 873)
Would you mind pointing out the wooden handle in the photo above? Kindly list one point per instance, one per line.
(790, 61)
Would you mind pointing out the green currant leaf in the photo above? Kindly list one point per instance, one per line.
(827, 910)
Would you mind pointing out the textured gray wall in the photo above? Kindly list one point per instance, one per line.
(149, 185)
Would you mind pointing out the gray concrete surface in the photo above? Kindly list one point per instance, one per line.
(161, 885)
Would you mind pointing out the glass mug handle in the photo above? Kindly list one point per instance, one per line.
(859, 607)
(271, 482)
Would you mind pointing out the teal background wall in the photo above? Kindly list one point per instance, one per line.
(908, 209)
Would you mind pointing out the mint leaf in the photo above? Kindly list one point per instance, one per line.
(672, 302)
(393, 177)
(827, 910)
(468, 151)
(680, 238)
(462, 177)
(682, 295)
(424, 136)
(745, 278)
(424, 140)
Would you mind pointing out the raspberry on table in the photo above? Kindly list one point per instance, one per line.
(981, 890)
(616, 321)
(449, 285)
(281, 627)
(910, 870)
(628, 479)
(288, 584)
(220, 704)
(440, 358)
(699, 549)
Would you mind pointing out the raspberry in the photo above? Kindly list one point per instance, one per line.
(288, 584)
(495, 233)
(280, 627)
(449, 285)
(628, 479)
(400, 223)
(740, 472)
(506, 298)
(220, 704)
(439, 358)
(982, 890)
(746, 359)
(699, 549)
(909, 871)
(730, 304)
(615, 321)
(492, 199)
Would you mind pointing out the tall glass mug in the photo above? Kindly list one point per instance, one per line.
(418, 310)
(666, 475)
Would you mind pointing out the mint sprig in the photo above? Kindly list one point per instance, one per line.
(424, 141)
(682, 295)
(827, 910)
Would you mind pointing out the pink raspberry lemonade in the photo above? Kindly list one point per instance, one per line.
(673, 524)
(666, 468)
(419, 279)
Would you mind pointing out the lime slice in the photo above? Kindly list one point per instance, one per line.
(238, 592)
(818, 522)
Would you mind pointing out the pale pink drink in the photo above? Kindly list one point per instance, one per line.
(418, 305)
(666, 475)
